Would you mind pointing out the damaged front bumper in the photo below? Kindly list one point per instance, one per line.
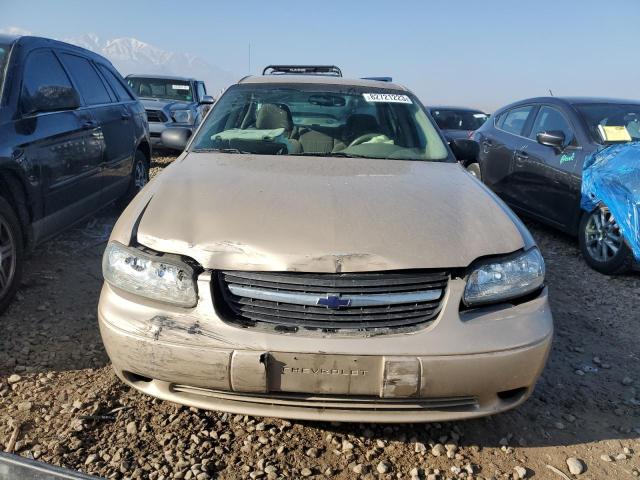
(463, 365)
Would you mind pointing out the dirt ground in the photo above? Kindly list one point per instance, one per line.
(60, 402)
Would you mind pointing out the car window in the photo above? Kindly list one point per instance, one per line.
(457, 119)
(87, 79)
(325, 120)
(161, 88)
(42, 69)
(115, 83)
(625, 118)
(550, 119)
(515, 119)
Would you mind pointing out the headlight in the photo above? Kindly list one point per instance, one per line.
(505, 279)
(163, 278)
(182, 116)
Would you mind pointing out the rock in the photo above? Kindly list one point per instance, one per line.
(359, 468)
(576, 466)
(15, 378)
(347, 445)
(382, 467)
(90, 459)
(305, 472)
(24, 406)
(312, 452)
(420, 447)
(132, 428)
(621, 456)
(606, 458)
(438, 449)
(521, 472)
(626, 381)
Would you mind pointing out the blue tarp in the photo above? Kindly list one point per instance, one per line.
(611, 177)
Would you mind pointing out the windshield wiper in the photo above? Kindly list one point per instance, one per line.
(222, 150)
(333, 154)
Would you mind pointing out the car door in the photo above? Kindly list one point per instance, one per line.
(114, 120)
(117, 177)
(550, 180)
(498, 145)
(63, 148)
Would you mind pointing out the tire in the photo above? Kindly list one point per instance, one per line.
(11, 254)
(602, 245)
(139, 178)
(474, 169)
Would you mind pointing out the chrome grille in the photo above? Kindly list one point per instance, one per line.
(329, 302)
(156, 116)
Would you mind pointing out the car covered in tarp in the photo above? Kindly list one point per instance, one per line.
(611, 183)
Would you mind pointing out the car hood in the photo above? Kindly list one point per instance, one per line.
(322, 214)
(166, 105)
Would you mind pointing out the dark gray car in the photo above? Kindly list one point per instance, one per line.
(73, 139)
(170, 102)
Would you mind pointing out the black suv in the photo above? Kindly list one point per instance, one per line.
(532, 155)
(73, 139)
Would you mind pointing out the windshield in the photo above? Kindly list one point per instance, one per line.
(4, 57)
(459, 119)
(161, 88)
(328, 120)
(611, 122)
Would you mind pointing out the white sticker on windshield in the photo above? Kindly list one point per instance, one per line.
(386, 98)
(180, 87)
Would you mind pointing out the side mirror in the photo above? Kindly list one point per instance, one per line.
(552, 138)
(176, 138)
(51, 98)
(207, 100)
(464, 149)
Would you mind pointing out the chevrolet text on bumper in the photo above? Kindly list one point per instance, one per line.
(332, 286)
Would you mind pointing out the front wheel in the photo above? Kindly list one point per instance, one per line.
(139, 178)
(602, 243)
(11, 254)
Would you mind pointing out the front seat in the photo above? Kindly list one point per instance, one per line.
(360, 124)
(272, 116)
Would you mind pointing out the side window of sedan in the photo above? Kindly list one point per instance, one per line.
(550, 119)
(515, 119)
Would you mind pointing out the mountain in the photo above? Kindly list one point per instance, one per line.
(130, 55)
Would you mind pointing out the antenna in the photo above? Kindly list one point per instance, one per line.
(550, 92)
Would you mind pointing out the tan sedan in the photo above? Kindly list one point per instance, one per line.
(317, 253)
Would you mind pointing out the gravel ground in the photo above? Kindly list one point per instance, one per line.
(60, 402)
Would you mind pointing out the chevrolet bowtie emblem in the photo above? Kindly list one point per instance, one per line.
(334, 302)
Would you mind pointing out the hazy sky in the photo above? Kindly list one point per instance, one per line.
(467, 52)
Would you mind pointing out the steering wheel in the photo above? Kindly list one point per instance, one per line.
(363, 138)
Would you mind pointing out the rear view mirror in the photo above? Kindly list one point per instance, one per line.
(552, 138)
(207, 100)
(464, 149)
(176, 137)
(51, 98)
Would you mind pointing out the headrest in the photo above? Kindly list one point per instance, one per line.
(272, 116)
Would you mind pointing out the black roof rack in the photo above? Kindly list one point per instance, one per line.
(379, 79)
(302, 70)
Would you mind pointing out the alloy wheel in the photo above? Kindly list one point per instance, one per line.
(139, 176)
(602, 235)
(8, 256)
